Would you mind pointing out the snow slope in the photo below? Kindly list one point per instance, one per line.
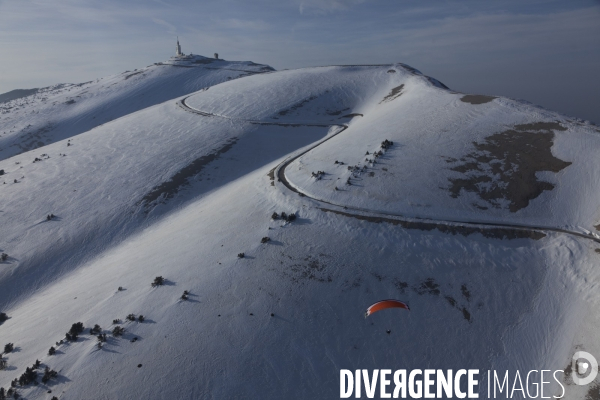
(62, 111)
(435, 169)
(181, 188)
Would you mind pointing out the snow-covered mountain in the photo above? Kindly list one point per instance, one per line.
(477, 211)
(62, 111)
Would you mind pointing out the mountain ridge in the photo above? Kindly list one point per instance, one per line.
(191, 195)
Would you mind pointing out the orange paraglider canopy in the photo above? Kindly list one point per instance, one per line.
(383, 304)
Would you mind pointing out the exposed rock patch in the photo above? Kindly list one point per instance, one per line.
(502, 169)
(296, 106)
(169, 189)
(476, 99)
(394, 93)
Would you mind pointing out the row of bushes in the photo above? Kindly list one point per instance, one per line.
(286, 217)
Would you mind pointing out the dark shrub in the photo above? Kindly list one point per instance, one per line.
(8, 347)
(241, 255)
(95, 330)
(3, 257)
(74, 332)
(118, 331)
(141, 318)
(158, 281)
(49, 374)
(265, 239)
(3, 317)
(116, 321)
(52, 351)
(131, 317)
(76, 328)
(274, 216)
(29, 376)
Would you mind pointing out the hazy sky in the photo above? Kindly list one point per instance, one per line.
(543, 51)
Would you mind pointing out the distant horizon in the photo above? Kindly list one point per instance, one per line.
(545, 51)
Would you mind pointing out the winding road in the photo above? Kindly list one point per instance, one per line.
(487, 228)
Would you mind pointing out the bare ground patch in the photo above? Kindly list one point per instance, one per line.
(310, 268)
(431, 287)
(427, 287)
(297, 105)
(503, 167)
(394, 93)
(31, 140)
(476, 99)
(492, 232)
(133, 74)
(170, 188)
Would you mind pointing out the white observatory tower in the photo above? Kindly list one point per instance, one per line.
(178, 52)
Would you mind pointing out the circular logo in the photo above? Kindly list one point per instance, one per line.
(581, 367)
